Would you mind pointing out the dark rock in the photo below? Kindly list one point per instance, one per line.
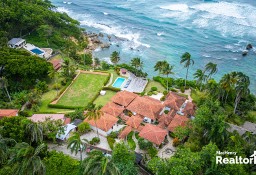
(101, 35)
(249, 47)
(245, 52)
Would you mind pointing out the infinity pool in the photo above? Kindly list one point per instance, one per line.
(118, 82)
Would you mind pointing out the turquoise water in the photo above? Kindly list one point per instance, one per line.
(36, 51)
(118, 82)
(216, 31)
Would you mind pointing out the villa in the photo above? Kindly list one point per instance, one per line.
(112, 109)
(105, 124)
(8, 112)
(16, 43)
(177, 121)
(123, 98)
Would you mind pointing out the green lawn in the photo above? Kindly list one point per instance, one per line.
(82, 91)
(114, 76)
(103, 99)
(153, 83)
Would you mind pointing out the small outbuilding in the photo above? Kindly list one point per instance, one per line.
(16, 43)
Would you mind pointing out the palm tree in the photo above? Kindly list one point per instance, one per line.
(4, 148)
(25, 159)
(94, 114)
(3, 85)
(98, 164)
(167, 70)
(227, 82)
(68, 69)
(159, 66)
(75, 144)
(241, 88)
(137, 63)
(186, 57)
(115, 57)
(211, 68)
(35, 132)
(200, 76)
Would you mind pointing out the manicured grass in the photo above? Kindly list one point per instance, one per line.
(153, 83)
(130, 141)
(104, 99)
(83, 90)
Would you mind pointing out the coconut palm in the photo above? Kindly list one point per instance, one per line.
(4, 148)
(98, 164)
(159, 66)
(241, 88)
(75, 144)
(137, 63)
(211, 68)
(35, 132)
(94, 114)
(115, 57)
(227, 83)
(3, 85)
(25, 159)
(167, 70)
(200, 76)
(186, 58)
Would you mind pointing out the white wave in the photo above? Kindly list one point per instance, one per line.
(97, 49)
(62, 10)
(176, 7)
(206, 55)
(64, 2)
(105, 13)
(107, 59)
(160, 33)
(69, 2)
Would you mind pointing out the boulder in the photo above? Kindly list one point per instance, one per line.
(105, 45)
(249, 47)
(245, 52)
(101, 35)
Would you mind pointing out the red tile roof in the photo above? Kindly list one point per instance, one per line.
(134, 121)
(174, 101)
(112, 109)
(177, 121)
(124, 117)
(42, 117)
(124, 98)
(153, 134)
(105, 123)
(140, 128)
(56, 64)
(125, 132)
(167, 118)
(146, 106)
(67, 121)
(189, 109)
(8, 112)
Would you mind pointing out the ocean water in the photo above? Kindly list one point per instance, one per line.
(210, 30)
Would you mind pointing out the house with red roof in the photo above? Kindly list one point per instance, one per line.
(134, 121)
(113, 109)
(105, 124)
(123, 98)
(56, 64)
(8, 112)
(147, 107)
(153, 134)
(42, 117)
(178, 120)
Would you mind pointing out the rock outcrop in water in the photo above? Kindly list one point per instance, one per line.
(249, 47)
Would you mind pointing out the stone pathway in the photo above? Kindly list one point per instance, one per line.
(168, 150)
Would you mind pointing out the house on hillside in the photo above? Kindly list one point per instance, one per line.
(146, 107)
(56, 64)
(16, 43)
(8, 113)
(105, 124)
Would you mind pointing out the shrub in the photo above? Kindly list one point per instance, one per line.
(165, 92)
(142, 93)
(83, 127)
(111, 142)
(150, 93)
(173, 90)
(152, 152)
(95, 141)
(155, 92)
(182, 89)
(114, 135)
(166, 111)
(77, 114)
(176, 142)
(153, 88)
(144, 144)
(111, 89)
(162, 98)
(41, 86)
(130, 141)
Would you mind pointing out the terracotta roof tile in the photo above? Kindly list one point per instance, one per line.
(178, 120)
(174, 101)
(42, 117)
(67, 121)
(56, 64)
(153, 134)
(105, 123)
(146, 106)
(167, 118)
(124, 98)
(140, 128)
(112, 109)
(124, 117)
(134, 121)
(189, 109)
(8, 112)
(125, 132)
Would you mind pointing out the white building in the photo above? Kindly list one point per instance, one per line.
(68, 129)
(17, 43)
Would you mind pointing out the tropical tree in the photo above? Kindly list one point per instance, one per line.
(186, 58)
(35, 132)
(99, 164)
(4, 148)
(53, 75)
(25, 159)
(227, 83)
(200, 76)
(137, 63)
(94, 114)
(75, 144)
(68, 69)
(115, 57)
(159, 66)
(3, 85)
(167, 70)
(211, 68)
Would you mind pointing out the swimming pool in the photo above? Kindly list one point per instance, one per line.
(118, 82)
(37, 51)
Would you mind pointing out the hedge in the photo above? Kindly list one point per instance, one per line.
(111, 142)
(107, 80)
(63, 106)
(130, 141)
(133, 70)
(111, 88)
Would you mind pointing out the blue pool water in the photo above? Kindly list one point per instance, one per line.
(118, 83)
(37, 51)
